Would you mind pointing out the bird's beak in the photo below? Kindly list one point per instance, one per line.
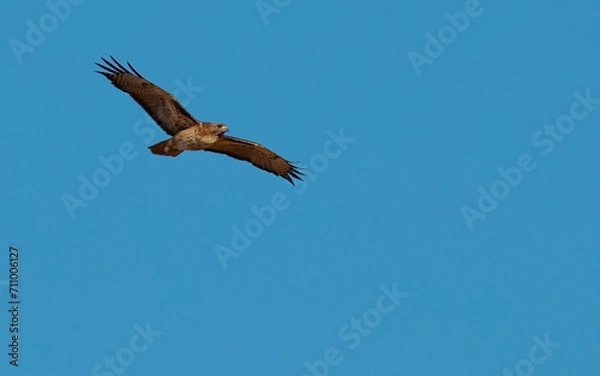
(225, 128)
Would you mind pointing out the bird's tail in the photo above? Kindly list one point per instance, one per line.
(163, 148)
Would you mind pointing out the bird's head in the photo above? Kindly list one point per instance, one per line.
(219, 128)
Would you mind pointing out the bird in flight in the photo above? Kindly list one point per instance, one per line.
(186, 132)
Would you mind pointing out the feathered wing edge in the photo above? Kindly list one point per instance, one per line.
(244, 150)
(115, 69)
(112, 69)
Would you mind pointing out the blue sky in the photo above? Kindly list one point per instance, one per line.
(447, 225)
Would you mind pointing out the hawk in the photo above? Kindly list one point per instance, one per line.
(186, 132)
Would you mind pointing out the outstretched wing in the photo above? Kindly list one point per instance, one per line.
(256, 154)
(163, 107)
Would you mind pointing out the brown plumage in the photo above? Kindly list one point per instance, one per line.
(187, 132)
